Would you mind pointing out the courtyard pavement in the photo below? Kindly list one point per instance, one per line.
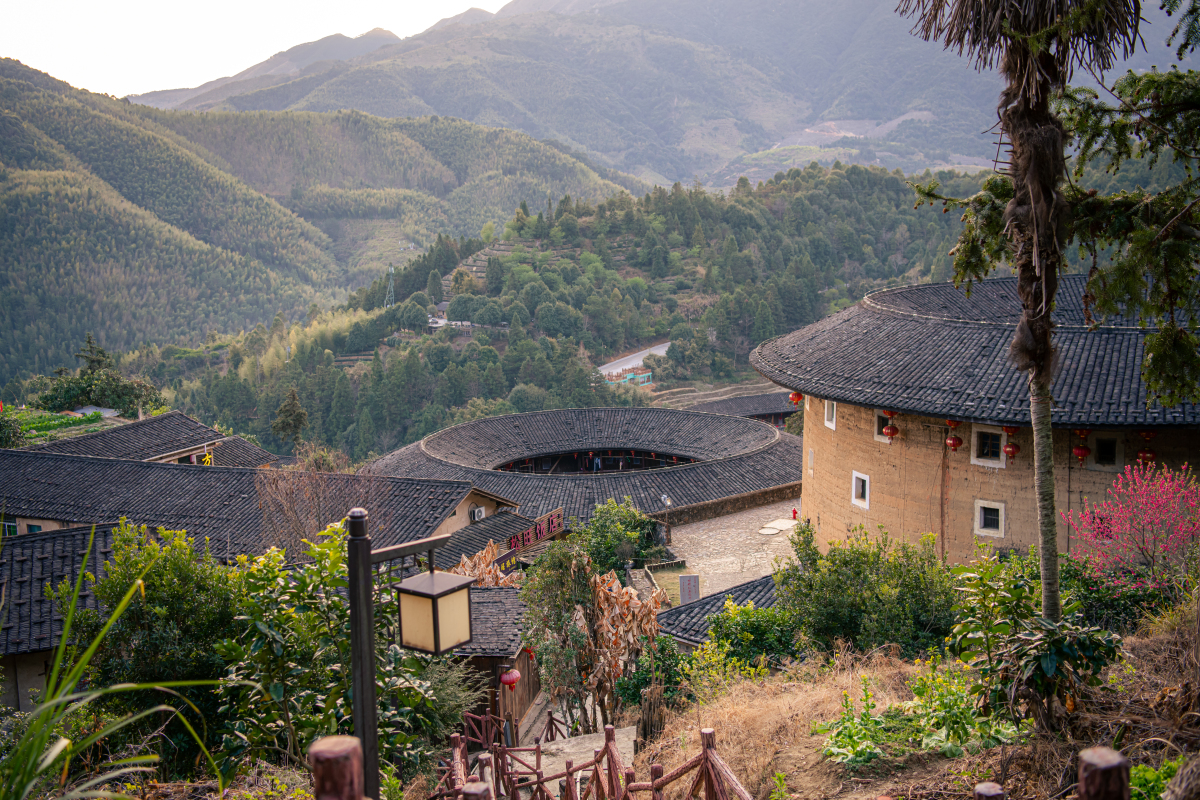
(736, 548)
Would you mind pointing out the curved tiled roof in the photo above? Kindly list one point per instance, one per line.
(145, 439)
(749, 405)
(931, 350)
(689, 622)
(493, 441)
(738, 456)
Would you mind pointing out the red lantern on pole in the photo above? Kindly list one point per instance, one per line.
(795, 397)
(1081, 451)
(1146, 455)
(510, 679)
(953, 441)
(1011, 448)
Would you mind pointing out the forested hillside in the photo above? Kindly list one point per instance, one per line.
(562, 288)
(148, 226)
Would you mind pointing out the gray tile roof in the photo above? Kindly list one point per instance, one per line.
(749, 405)
(933, 351)
(220, 503)
(497, 619)
(29, 621)
(689, 623)
(148, 438)
(474, 537)
(742, 455)
(235, 451)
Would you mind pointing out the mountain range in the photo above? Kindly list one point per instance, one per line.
(151, 226)
(663, 89)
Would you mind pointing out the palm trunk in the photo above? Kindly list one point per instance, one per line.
(1043, 483)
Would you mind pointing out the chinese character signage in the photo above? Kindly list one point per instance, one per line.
(544, 527)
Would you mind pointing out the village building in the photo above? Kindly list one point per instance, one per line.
(574, 459)
(916, 421)
(497, 622)
(773, 408)
(51, 502)
(688, 624)
(170, 438)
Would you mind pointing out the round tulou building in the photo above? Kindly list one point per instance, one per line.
(915, 420)
(574, 459)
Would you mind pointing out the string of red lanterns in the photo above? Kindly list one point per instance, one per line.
(1146, 455)
(1011, 448)
(1081, 451)
(890, 430)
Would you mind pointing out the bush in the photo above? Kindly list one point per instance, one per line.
(945, 707)
(288, 683)
(753, 633)
(661, 664)
(1116, 600)
(868, 591)
(104, 388)
(616, 533)
(187, 604)
(1148, 783)
(11, 434)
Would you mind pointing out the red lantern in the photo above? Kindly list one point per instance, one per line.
(1148, 435)
(510, 679)
(795, 397)
(1083, 433)
(953, 441)
(890, 431)
(1011, 430)
(1081, 451)
(1146, 455)
(1011, 449)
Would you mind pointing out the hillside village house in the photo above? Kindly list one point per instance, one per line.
(915, 420)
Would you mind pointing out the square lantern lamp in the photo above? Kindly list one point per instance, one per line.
(435, 612)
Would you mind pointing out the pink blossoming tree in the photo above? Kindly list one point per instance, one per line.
(1151, 519)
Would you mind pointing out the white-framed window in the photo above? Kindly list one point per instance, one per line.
(1108, 452)
(989, 518)
(810, 462)
(987, 446)
(881, 422)
(860, 489)
(831, 415)
(8, 529)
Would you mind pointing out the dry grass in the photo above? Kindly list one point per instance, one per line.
(756, 720)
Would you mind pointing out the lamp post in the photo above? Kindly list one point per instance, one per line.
(433, 613)
(666, 501)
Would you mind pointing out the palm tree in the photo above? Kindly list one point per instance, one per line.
(1036, 44)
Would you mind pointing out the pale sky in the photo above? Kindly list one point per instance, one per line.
(135, 46)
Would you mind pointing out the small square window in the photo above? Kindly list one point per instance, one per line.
(860, 490)
(987, 445)
(831, 414)
(1106, 452)
(880, 423)
(8, 529)
(989, 518)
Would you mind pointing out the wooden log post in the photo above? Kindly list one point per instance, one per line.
(989, 791)
(630, 777)
(477, 791)
(708, 743)
(362, 647)
(513, 739)
(486, 773)
(656, 773)
(1103, 775)
(571, 791)
(610, 766)
(337, 768)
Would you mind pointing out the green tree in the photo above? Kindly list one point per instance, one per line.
(413, 317)
(94, 357)
(764, 323)
(433, 286)
(364, 430)
(187, 604)
(341, 411)
(290, 418)
(494, 276)
(1036, 45)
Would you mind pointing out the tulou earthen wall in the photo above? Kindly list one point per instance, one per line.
(917, 485)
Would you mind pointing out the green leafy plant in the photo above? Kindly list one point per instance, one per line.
(1148, 783)
(41, 753)
(288, 681)
(867, 590)
(660, 664)
(853, 737)
(712, 668)
(947, 712)
(45, 424)
(779, 789)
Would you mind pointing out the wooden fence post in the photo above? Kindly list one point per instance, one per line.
(630, 777)
(614, 780)
(486, 773)
(572, 792)
(656, 772)
(989, 791)
(1103, 775)
(477, 791)
(337, 768)
(362, 647)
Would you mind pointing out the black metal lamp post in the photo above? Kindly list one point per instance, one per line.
(434, 616)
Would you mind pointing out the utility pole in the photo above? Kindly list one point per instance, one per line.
(391, 295)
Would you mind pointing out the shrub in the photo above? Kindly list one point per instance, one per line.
(1150, 521)
(104, 388)
(753, 633)
(661, 664)
(11, 434)
(945, 707)
(1116, 600)
(616, 533)
(187, 604)
(711, 669)
(868, 591)
(1148, 783)
(288, 683)
(854, 738)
